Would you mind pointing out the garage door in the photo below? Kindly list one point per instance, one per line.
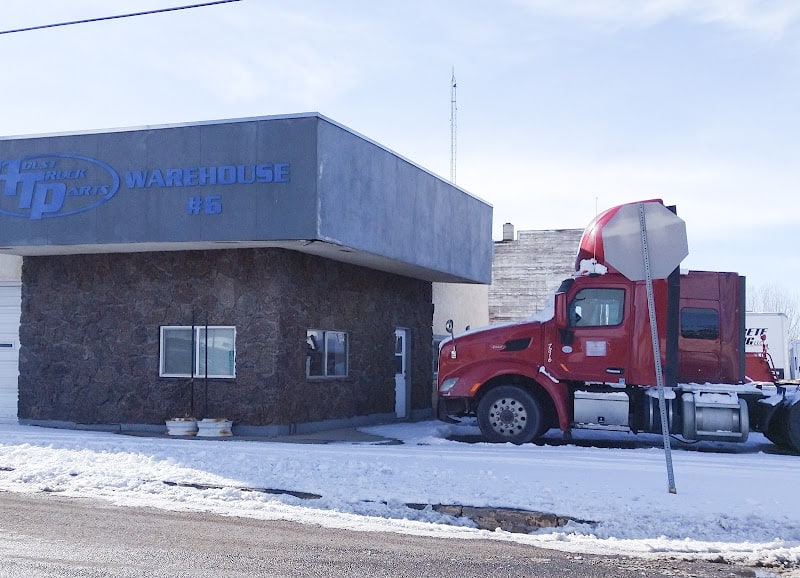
(9, 349)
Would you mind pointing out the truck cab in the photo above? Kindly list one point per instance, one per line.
(587, 363)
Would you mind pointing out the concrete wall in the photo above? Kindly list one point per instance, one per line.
(528, 269)
(90, 336)
(465, 304)
(10, 268)
(373, 200)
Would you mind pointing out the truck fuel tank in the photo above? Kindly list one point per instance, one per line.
(719, 416)
(601, 410)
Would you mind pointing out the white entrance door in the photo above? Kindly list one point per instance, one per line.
(401, 397)
(9, 349)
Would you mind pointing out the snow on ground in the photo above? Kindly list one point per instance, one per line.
(735, 502)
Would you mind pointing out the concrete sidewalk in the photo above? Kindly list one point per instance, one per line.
(342, 435)
(348, 435)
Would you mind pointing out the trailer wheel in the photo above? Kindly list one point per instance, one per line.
(776, 434)
(784, 429)
(509, 414)
(792, 417)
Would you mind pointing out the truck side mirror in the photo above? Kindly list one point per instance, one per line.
(562, 324)
(561, 310)
(449, 328)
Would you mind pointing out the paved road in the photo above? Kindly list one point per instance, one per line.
(50, 535)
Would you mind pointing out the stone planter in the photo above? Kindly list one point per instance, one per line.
(182, 426)
(214, 427)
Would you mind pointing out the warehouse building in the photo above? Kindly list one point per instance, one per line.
(275, 271)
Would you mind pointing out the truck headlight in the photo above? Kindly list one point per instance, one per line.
(447, 385)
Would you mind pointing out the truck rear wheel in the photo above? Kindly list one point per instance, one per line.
(509, 414)
(793, 424)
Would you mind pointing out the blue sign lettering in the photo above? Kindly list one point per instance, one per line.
(194, 205)
(43, 186)
(209, 175)
(211, 205)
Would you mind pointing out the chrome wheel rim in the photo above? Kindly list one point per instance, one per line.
(508, 416)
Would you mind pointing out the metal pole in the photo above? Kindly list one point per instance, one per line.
(205, 381)
(453, 128)
(651, 309)
(191, 356)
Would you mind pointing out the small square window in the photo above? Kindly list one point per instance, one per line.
(699, 323)
(326, 353)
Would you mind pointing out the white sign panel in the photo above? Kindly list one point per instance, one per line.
(666, 241)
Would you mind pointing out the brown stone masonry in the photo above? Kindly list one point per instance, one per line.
(90, 336)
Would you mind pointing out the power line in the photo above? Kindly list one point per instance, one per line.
(173, 9)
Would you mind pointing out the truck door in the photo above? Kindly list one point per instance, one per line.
(595, 346)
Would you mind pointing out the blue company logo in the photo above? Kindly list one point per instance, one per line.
(43, 186)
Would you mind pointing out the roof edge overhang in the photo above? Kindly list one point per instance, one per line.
(314, 247)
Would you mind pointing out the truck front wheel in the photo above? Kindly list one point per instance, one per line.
(509, 414)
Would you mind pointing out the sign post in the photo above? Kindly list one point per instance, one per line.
(646, 241)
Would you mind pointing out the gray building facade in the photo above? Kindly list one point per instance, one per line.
(275, 271)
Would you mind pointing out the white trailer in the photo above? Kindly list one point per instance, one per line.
(772, 328)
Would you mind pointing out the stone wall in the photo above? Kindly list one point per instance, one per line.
(90, 336)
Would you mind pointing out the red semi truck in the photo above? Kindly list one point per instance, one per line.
(587, 362)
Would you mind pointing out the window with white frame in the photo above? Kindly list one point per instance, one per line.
(208, 351)
(326, 353)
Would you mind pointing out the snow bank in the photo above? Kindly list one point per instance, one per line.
(736, 502)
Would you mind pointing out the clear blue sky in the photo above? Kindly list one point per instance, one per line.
(562, 105)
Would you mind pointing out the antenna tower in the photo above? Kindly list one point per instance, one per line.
(453, 109)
